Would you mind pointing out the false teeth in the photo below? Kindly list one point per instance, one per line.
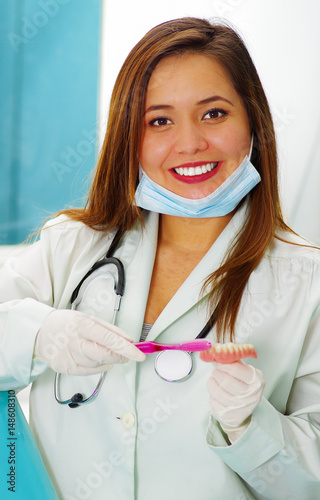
(199, 170)
(228, 352)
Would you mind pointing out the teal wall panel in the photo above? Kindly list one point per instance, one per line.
(50, 51)
(7, 121)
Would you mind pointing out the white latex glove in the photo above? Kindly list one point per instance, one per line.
(235, 390)
(76, 344)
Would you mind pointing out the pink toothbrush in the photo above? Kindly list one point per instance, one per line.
(192, 346)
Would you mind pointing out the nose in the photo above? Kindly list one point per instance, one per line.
(190, 138)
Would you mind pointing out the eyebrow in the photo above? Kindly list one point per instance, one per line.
(213, 99)
(208, 100)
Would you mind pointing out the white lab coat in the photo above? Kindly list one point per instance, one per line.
(147, 439)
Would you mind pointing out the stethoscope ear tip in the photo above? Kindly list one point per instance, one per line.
(76, 398)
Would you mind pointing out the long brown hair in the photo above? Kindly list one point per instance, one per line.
(111, 198)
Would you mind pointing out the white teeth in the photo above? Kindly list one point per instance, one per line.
(192, 171)
(231, 348)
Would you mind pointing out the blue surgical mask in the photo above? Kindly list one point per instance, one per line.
(222, 201)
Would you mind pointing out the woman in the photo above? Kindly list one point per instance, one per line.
(203, 232)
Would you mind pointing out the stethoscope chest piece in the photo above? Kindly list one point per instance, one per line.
(173, 366)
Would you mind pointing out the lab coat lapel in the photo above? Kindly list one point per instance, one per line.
(190, 292)
(137, 255)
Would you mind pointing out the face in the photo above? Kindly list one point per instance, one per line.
(196, 129)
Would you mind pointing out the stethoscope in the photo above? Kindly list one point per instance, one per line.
(171, 366)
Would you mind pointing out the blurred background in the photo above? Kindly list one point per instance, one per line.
(59, 60)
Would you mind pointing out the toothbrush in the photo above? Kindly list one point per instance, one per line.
(192, 346)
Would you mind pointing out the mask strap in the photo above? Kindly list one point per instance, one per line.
(140, 172)
(251, 147)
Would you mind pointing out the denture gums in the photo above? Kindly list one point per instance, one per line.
(228, 353)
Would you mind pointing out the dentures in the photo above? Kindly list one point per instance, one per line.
(228, 353)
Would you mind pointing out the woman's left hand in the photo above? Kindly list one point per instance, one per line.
(235, 390)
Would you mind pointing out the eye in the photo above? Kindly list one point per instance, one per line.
(161, 121)
(214, 114)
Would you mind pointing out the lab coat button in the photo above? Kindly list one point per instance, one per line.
(128, 420)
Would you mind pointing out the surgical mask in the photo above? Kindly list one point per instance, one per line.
(222, 201)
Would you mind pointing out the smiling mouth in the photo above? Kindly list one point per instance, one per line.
(194, 171)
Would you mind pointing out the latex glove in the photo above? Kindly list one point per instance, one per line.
(235, 390)
(76, 344)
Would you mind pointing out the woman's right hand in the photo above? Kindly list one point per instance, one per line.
(73, 343)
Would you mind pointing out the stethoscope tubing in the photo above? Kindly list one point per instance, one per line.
(77, 399)
(119, 287)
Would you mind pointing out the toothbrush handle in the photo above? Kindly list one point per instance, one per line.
(148, 347)
(192, 346)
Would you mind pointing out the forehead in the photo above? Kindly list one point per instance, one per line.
(180, 73)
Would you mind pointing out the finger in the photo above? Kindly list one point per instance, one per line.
(238, 370)
(109, 338)
(217, 409)
(228, 410)
(85, 323)
(237, 391)
(94, 354)
(229, 384)
(216, 393)
(220, 396)
(113, 328)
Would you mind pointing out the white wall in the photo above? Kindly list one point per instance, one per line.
(283, 38)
